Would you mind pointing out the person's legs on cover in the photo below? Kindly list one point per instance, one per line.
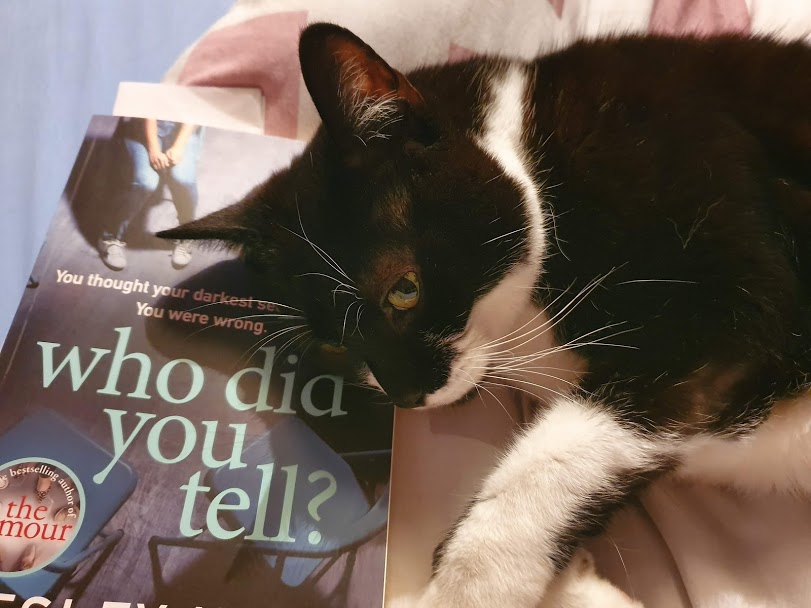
(182, 183)
(141, 183)
(181, 143)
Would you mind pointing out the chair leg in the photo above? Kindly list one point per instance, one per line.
(79, 586)
(349, 567)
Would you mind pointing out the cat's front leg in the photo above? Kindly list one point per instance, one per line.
(559, 482)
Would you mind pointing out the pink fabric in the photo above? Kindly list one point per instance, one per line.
(701, 17)
(261, 52)
(458, 53)
(558, 6)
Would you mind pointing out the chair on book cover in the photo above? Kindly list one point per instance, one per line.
(345, 519)
(43, 434)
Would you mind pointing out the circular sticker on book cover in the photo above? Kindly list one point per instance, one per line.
(41, 509)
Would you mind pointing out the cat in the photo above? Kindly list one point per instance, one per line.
(621, 228)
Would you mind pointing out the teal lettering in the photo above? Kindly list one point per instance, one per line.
(287, 505)
(115, 368)
(232, 388)
(307, 396)
(120, 443)
(192, 489)
(212, 515)
(189, 439)
(262, 503)
(287, 394)
(72, 361)
(233, 461)
(162, 382)
(37, 601)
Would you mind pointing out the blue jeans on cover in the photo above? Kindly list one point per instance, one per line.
(142, 181)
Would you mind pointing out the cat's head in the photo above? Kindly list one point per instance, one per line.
(400, 235)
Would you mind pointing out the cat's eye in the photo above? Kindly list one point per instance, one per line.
(406, 292)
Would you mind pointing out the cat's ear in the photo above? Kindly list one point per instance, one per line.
(232, 225)
(362, 100)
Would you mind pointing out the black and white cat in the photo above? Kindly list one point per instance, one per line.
(622, 228)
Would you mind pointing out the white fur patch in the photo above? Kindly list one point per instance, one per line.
(509, 305)
(579, 586)
(501, 553)
(773, 457)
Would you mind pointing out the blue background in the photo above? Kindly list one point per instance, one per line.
(60, 63)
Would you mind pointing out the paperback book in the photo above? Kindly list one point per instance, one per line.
(171, 435)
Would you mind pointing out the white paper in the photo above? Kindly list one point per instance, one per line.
(237, 109)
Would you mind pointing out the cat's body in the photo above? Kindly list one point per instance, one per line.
(621, 229)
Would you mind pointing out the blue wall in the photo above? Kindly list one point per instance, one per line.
(61, 62)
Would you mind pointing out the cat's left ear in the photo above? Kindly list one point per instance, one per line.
(362, 100)
(234, 226)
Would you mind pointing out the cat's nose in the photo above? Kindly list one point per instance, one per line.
(409, 400)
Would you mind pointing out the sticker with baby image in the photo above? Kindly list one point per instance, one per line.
(40, 513)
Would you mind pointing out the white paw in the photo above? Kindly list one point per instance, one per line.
(579, 586)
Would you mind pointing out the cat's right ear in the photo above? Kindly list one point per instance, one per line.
(362, 100)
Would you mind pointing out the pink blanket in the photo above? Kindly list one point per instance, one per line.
(680, 545)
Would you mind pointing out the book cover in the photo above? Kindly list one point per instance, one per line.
(170, 434)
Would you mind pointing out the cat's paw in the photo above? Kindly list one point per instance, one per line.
(579, 586)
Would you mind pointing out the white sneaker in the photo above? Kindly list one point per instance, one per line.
(113, 253)
(181, 255)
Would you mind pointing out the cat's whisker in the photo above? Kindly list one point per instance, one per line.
(337, 290)
(357, 320)
(346, 316)
(561, 347)
(658, 281)
(575, 301)
(624, 567)
(291, 341)
(564, 312)
(242, 301)
(572, 345)
(477, 385)
(252, 350)
(327, 276)
(510, 384)
(308, 344)
(532, 367)
(522, 371)
(271, 316)
(321, 252)
(377, 392)
(554, 220)
(552, 322)
(577, 341)
(506, 234)
(268, 316)
(519, 389)
(317, 249)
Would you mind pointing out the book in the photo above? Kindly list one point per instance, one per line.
(169, 437)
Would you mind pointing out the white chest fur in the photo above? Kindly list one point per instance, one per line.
(776, 456)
